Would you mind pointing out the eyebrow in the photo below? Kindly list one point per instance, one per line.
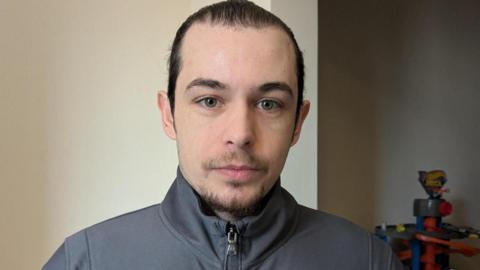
(214, 84)
(270, 86)
(209, 83)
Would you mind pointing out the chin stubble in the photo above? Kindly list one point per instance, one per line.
(236, 207)
(233, 206)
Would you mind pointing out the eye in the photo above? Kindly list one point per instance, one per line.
(268, 104)
(209, 102)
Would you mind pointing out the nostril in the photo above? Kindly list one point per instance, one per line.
(239, 143)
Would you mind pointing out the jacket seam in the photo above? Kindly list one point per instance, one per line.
(67, 254)
(87, 240)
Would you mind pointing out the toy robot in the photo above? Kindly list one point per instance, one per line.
(427, 244)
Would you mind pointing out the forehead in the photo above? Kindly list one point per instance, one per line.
(237, 55)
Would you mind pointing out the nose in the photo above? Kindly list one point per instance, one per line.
(240, 128)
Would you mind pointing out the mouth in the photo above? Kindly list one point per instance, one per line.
(237, 172)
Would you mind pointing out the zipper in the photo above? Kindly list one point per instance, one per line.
(232, 243)
(232, 240)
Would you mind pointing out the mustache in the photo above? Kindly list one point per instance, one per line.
(235, 157)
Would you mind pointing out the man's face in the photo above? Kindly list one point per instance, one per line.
(234, 119)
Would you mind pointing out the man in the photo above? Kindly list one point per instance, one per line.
(234, 107)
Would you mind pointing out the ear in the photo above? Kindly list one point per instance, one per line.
(302, 114)
(167, 116)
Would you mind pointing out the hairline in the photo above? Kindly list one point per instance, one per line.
(236, 26)
(221, 14)
(239, 27)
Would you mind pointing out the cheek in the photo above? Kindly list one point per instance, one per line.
(275, 138)
(279, 129)
(195, 137)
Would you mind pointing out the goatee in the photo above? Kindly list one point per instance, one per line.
(236, 208)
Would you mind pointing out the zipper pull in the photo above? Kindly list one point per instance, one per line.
(232, 240)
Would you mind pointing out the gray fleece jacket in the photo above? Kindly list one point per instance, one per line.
(177, 234)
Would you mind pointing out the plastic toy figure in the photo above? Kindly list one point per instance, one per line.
(427, 244)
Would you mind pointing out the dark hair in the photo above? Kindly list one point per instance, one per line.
(231, 13)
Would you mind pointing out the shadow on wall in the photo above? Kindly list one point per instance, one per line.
(427, 107)
(398, 93)
(23, 142)
(347, 147)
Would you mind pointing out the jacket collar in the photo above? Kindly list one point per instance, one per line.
(260, 235)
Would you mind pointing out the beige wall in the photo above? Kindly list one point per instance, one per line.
(300, 175)
(81, 139)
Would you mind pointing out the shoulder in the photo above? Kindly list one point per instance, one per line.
(121, 229)
(111, 234)
(330, 234)
(319, 222)
(128, 222)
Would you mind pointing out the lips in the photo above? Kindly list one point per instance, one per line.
(237, 172)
